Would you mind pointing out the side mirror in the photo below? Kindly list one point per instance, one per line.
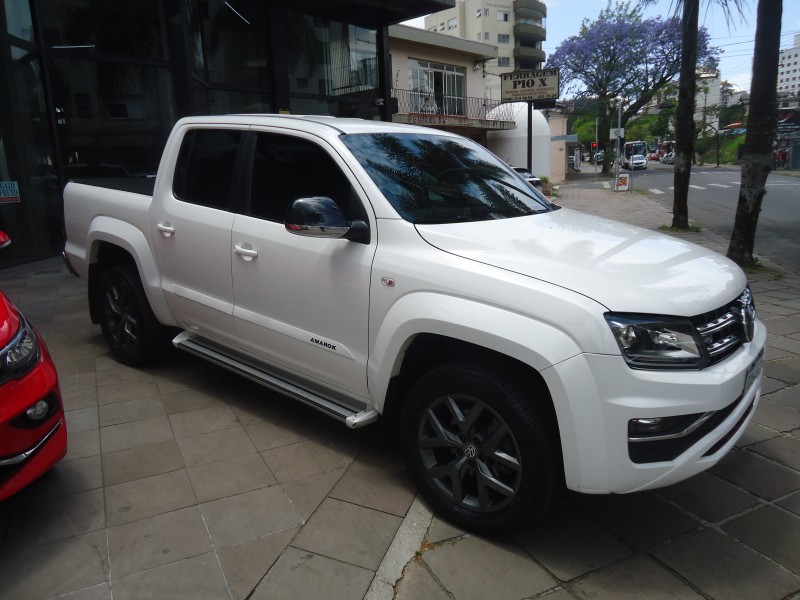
(4, 240)
(321, 217)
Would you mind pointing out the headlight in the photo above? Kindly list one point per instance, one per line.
(653, 342)
(21, 354)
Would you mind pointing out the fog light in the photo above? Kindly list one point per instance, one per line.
(653, 425)
(38, 411)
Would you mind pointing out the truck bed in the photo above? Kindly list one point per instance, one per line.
(135, 185)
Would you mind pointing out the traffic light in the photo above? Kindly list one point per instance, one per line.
(594, 145)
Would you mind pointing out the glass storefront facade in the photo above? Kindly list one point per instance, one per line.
(92, 88)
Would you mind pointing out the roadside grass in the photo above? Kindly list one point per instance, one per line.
(693, 228)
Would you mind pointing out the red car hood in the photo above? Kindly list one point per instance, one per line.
(9, 320)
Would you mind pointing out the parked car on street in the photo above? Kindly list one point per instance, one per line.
(33, 431)
(638, 161)
(509, 346)
(668, 159)
(654, 155)
(599, 157)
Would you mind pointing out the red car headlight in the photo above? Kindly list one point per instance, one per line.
(21, 354)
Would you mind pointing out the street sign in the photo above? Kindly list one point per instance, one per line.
(529, 86)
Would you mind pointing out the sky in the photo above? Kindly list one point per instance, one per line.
(564, 18)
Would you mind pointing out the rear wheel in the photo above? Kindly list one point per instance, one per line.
(481, 447)
(132, 331)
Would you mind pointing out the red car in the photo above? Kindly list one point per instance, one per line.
(33, 431)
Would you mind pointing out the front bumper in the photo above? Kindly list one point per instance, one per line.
(595, 397)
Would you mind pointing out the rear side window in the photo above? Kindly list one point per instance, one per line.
(204, 171)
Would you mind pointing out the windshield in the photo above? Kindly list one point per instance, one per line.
(431, 178)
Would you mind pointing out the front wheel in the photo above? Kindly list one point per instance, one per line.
(481, 447)
(130, 328)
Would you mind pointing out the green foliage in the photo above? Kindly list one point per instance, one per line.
(732, 114)
(707, 148)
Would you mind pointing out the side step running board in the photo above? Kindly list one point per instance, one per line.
(221, 356)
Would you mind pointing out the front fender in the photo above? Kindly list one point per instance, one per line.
(535, 343)
(103, 229)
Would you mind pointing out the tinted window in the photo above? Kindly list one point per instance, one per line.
(286, 168)
(430, 178)
(204, 171)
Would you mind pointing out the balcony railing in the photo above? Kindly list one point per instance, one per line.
(453, 108)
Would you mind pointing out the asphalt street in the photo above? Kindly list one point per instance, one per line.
(713, 196)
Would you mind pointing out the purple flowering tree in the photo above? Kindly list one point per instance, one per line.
(623, 55)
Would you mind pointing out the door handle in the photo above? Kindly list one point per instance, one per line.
(246, 253)
(167, 230)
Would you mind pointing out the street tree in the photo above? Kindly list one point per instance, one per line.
(623, 57)
(761, 129)
(685, 131)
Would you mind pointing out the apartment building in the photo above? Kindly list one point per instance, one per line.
(516, 27)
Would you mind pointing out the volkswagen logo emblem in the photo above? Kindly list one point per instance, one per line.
(470, 451)
(747, 314)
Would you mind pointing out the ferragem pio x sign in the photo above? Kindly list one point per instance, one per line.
(526, 86)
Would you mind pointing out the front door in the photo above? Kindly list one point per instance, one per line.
(302, 303)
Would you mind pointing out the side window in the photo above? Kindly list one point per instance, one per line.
(286, 168)
(204, 171)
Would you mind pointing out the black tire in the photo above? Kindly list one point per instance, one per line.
(481, 447)
(132, 331)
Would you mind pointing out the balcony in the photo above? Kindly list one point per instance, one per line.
(529, 58)
(530, 32)
(460, 113)
(530, 9)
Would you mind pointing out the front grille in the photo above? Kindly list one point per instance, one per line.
(724, 330)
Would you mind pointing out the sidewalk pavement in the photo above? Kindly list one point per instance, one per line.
(185, 481)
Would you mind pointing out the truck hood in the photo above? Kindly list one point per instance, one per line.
(623, 267)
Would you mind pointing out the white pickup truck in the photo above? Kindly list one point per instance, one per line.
(373, 270)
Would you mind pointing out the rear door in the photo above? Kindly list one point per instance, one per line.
(192, 230)
(302, 303)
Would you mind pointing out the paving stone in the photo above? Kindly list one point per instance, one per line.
(641, 519)
(185, 400)
(382, 488)
(121, 375)
(141, 461)
(478, 568)
(56, 568)
(786, 370)
(757, 529)
(245, 564)
(755, 433)
(157, 541)
(203, 420)
(783, 325)
(760, 476)
(249, 515)
(215, 446)
(229, 477)
(268, 434)
(417, 582)
(97, 592)
(82, 444)
(635, 578)
(723, 568)
(66, 478)
(142, 498)
(302, 459)
(440, 530)
(79, 398)
(708, 497)
(350, 533)
(785, 450)
(769, 385)
(788, 396)
(198, 578)
(82, 419)
(122, 392)
(308, 493)
(791, 503)
(302, 574)
(790, 344)
(136, 433)
(131, 410)
(34, 523)
(776, 416)
(569, 544)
